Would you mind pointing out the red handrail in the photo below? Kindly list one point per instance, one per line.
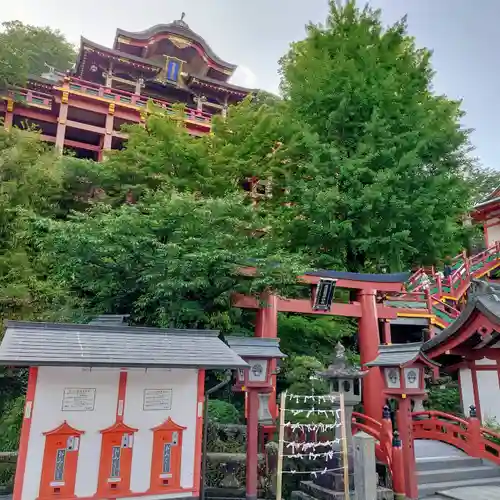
(465, 434)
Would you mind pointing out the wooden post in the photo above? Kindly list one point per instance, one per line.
(345, 457)
(405, 424)
(281, 441)
(398, 469)
(252, 444)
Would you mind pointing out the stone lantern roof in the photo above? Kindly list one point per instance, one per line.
(340, 368)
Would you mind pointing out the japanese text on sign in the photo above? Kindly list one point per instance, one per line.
(157, 399)
(77, 399)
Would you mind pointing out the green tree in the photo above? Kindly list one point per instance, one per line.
(27, 49)
(172, 259)
(392, 191)
(30, 185)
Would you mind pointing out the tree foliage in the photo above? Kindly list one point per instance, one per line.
(395, 149)
(27, 49)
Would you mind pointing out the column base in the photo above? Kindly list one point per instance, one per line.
(251, 497)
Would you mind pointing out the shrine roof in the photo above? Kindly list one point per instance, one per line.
(484, 298)
(177, 28)
(397, 354)
(85, 42)
(379, 278)
(212, 82)
(493, 197)
(56, 344)
(255, 347)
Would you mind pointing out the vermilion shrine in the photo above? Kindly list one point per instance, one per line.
(119, 430)
(84, 110)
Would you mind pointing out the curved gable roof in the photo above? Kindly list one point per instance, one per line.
(176, 28)
(485, 298)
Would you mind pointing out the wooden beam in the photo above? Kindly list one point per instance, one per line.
(304, 306)
(341, 283)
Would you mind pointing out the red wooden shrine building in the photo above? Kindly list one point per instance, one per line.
(84, 110)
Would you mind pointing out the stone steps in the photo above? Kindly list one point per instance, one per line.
(464, 473)
(438, 475)
(316, 492)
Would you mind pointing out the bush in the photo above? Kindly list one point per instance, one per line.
(445, 397)
(223, 412)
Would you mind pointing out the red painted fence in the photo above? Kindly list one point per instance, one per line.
(466, 434)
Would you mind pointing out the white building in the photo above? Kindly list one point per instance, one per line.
(111, 411)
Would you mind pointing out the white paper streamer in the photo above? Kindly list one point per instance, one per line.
(312, 427)
(313, 456)
(298, 398)
(297, 445)
(314, 473)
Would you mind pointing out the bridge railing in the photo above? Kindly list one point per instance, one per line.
(465, 434)
(380, 431)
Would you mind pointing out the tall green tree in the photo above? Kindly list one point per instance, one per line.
(27, 49)
(30, 186)
(393, 190)
(171, 259)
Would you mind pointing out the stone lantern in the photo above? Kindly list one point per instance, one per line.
(345, 379)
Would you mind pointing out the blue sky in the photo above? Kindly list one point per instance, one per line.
(256, 34)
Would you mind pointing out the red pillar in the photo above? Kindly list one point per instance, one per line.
(9, 114)
(398, 472)
(387, 332)
(373, 387)
(266, 325)
(405, 428)
(252, 444)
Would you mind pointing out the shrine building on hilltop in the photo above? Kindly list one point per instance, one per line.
(85, 109)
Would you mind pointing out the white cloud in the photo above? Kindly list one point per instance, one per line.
(244, 77)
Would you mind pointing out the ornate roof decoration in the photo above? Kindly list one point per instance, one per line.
(180, 28)
(227, 88)
(180, 22)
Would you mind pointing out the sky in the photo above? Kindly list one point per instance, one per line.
(256, 34)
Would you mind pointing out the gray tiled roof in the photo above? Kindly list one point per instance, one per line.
(396, 354)
(483, 297)
(255, 347)
(53, 344)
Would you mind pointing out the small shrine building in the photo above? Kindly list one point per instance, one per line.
(470, 347)
(112, 411)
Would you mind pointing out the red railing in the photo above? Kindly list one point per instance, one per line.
(463, 269)
(380, 431)
(130, 99)
(31, 98)
(464, 434)
(427, 285)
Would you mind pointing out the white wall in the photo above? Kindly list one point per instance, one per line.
(184, 405)
(489, 391)
(466, 388)
(47, 415)
(493, 233)
(488, 388)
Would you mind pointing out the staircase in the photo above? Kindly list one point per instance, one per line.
(438, 475)
(428, 294)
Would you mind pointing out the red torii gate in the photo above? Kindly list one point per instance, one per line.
(365, 308)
